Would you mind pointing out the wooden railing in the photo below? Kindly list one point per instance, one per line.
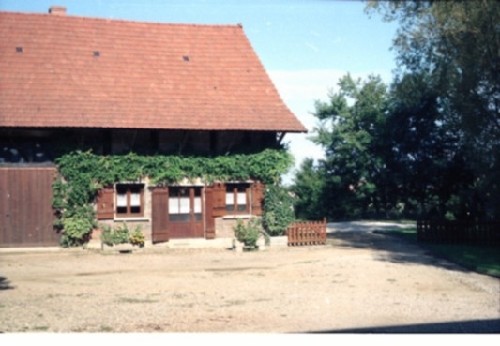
(307, 233)
(458, 232)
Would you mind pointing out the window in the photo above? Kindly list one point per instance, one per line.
(237, 198)
(185, 204)
(129, 200)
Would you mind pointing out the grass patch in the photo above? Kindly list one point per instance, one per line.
(479, 258)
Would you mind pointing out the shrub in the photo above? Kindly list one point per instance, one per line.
(248, 234)
(122, 235)
(136, 238)
(107, 235)
(76, 231)
(278, 210)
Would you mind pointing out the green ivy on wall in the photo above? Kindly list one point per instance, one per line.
(82, 174)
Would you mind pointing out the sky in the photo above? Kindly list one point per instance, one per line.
(304, 45)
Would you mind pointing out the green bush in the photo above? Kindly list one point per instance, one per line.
(107, 235)
(76, 231)
(136, 238)
(122, 235)
(248, 234)
(278, 210)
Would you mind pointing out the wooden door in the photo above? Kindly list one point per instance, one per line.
(185, 212)
(178, 212)
(160, 215)
(26, 214)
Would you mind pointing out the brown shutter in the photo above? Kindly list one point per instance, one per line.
(105, 204)
(258, 192)
(160, 215)
(219, 200)
(209, 218)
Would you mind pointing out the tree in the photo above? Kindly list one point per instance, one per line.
(455, 45)
(308, 187)
(351, 130)
(278, 210)
(425, 163)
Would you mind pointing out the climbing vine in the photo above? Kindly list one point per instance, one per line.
(82, 174)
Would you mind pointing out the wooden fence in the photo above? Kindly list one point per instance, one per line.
(307, 233)
(458, 232)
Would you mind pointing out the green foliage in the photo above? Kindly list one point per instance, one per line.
(430, 145)
(107, 235)
(352, 132)
(451, 49)
(122, 235)
(84, 173)
(136, 237)
(76, 230)
(482, 259)
(387, 154)
(308, 187)
(278, 210)
(90, 171)
(248, 233)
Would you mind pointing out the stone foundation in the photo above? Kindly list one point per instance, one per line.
(224, 226)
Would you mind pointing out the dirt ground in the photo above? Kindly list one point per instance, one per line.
(361, 282)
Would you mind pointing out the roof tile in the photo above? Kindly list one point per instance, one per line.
(88, 72)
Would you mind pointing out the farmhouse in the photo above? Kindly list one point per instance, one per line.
(116, 88)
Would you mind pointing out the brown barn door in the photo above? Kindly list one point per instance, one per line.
(178, 213)
(26, 215)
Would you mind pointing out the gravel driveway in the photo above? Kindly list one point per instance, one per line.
(360, 282)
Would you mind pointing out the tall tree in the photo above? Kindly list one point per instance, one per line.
(456, 45)
(352, 133)
(309, 187)
(425, 163)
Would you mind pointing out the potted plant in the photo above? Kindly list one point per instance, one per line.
(121, 237)
(136, 238)
(248, 234)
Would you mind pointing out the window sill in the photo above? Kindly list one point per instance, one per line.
(242, 216)
(126, 218)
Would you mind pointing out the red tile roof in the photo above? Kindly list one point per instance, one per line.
(67, 71)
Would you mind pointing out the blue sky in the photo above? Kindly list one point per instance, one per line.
(305, 45)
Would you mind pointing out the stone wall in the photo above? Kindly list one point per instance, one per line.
(224, 226)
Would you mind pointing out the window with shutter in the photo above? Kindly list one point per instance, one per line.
(237, 198)
(129, 200)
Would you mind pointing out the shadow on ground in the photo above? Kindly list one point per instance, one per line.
(5, 284)
(389, 248)
(490, 326)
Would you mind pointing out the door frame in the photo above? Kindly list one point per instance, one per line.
(163, 228)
